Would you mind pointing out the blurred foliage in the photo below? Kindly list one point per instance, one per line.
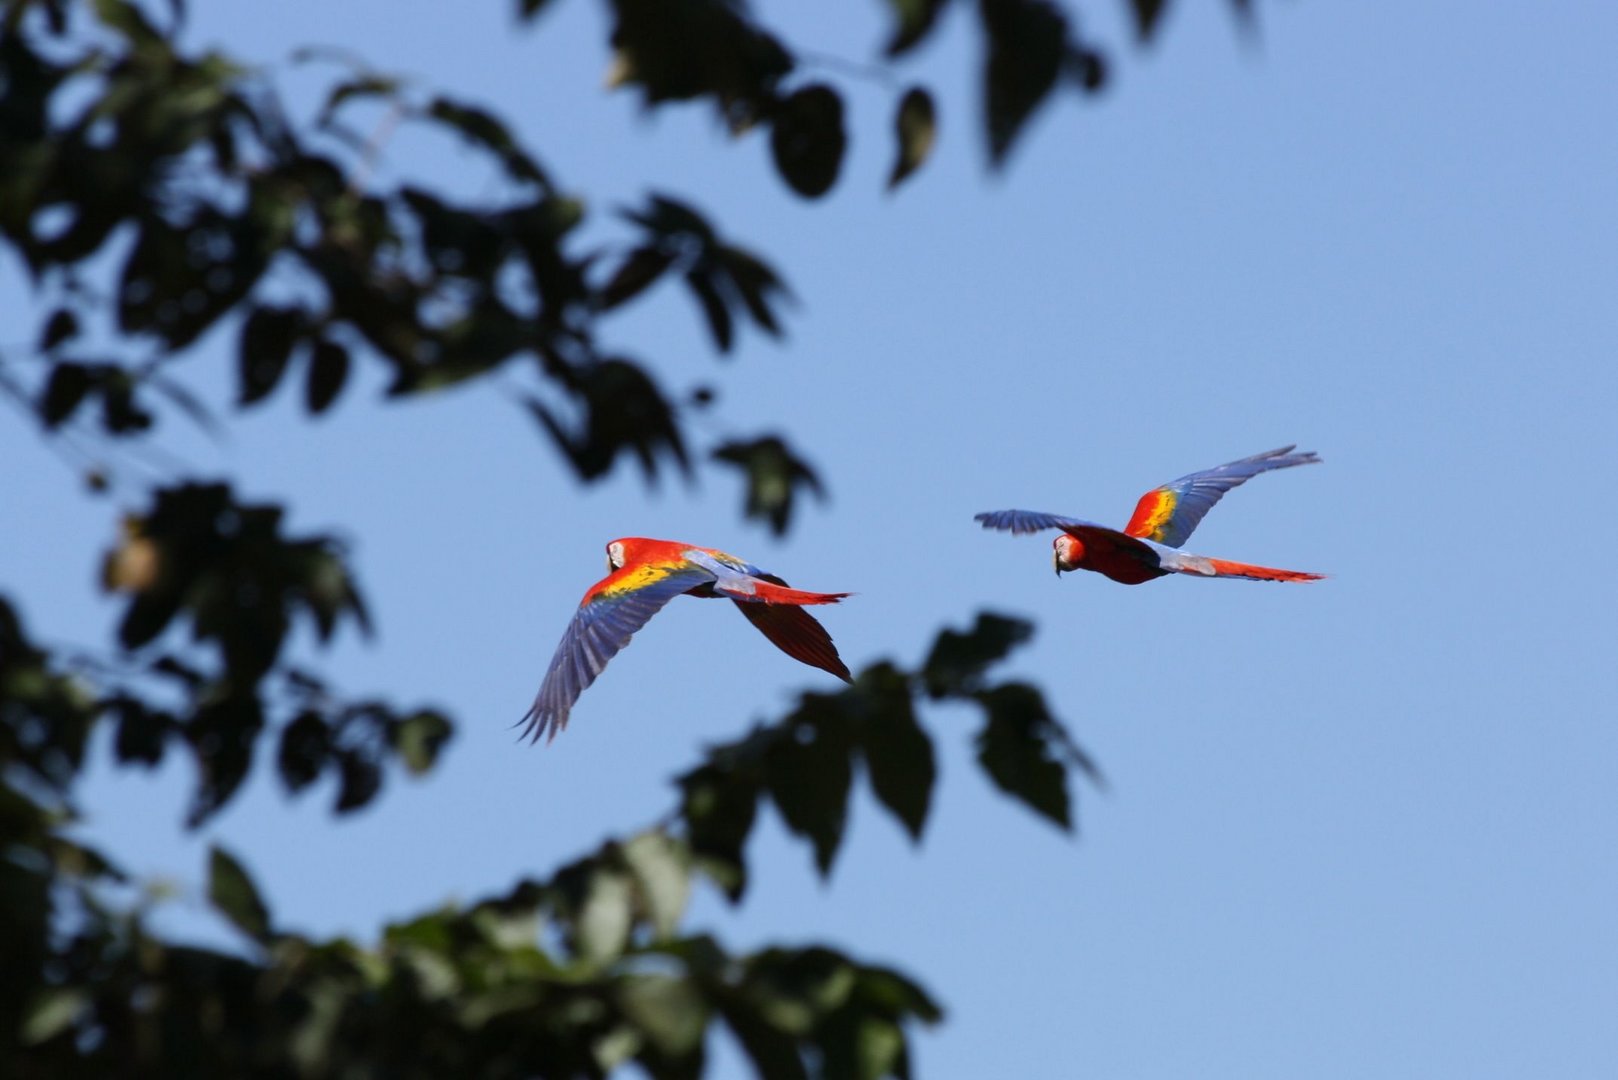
(165, 204)
(566, 976)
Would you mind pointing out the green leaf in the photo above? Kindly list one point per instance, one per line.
(328, 370)
(420, 738)
(234, 894)
(916, 19)
(807, 139)
(53, 1012)
(774, 1053)
(1017, 748)
(774, 475)
(898, 753)
(957, 661)
(672, 1013)
(916, 127)
(604, 920)
(661, 868)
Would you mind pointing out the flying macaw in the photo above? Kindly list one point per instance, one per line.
(642, 576)
(1163, 520)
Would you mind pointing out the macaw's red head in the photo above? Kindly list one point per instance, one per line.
(1068, 553)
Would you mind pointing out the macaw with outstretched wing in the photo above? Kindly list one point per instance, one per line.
(642, 576)
(1163, 520)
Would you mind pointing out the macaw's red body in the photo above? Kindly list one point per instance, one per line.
(643, 575)
(1163, 520)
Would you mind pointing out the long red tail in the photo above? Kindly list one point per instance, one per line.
(1226, 568)
(771, 593)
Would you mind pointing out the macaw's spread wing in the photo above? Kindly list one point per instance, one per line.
(1168, 514)
(776, 609)
(613, 609)
(798, 634)
(1019, 522)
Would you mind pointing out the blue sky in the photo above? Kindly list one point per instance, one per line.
(1360, 828)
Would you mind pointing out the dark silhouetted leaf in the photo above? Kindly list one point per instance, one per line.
(774, 474)
(360, 88)
(696, 48)
(234, 894)
(305, 750)
(148, 614)
(916, 19)
(898, 753)
(643, 266)
(359, 779)
(120, 413)
(1088, 68)
(1018, 747)
(223, 734)
(1027, 40)
(916, 127)
(807, 139)
(752, 280)
(624, 411)
(713, 307)
(1147, 14)
(808, 773)
(328, 370)
(718, 806)
(64, 392)
(62, 326)
(485, 129)
(957, 661)
(142, 732)
(268, 337)
(773, 1052)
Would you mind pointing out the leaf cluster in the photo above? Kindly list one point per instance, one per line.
(565, 976)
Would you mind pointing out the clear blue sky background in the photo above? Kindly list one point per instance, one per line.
(1361, 828)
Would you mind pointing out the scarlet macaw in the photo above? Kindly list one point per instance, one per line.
(642, 576)
(1163, 520)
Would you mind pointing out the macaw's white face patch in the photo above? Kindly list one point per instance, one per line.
(615, 556)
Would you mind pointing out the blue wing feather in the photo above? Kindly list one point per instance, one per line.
(1019, 522)
(1171, 520)
(600, 628)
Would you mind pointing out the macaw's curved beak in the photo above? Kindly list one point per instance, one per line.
(1056, 561)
